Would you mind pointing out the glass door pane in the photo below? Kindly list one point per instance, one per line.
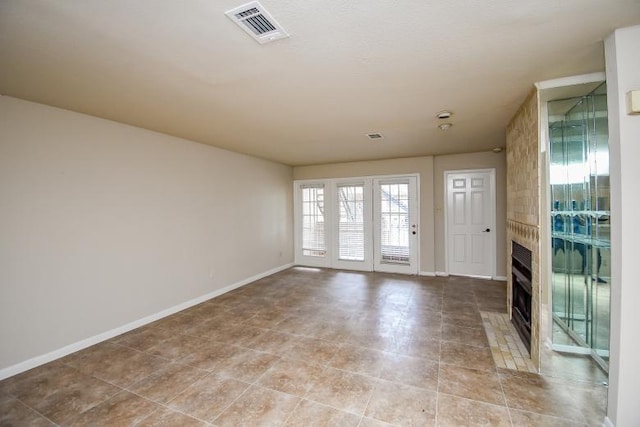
(313, 224)
(351, 222)
(395, 222)
(579, 179)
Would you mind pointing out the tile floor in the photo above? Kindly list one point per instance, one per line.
(306, 347)
(506, 346)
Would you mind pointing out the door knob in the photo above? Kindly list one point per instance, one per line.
(487, 230)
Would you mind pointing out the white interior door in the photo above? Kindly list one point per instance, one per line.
(470, 222)
(395, 223)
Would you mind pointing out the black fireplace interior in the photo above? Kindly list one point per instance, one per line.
(521, 302)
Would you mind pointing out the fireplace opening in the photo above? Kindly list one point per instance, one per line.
(521, 301)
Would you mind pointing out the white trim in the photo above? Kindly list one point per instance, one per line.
(570, 349)
(87, 342)
(427, 273)
(572, 80)
(492, 190)
(413, 181)
(300, 259)
(475, 276)
(500, 278)
(442, 274)
(608, 423)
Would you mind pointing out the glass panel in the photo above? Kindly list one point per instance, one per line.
(313, 232)
(351, 222)
(579, 179)
(394, 223)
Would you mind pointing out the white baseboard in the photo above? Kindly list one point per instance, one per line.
(87, 342)
(442, 274)
(570, 349)
(500, 278)
(427, 273)
(607, 423)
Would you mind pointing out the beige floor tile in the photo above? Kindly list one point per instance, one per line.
(15, 413)
(456, 411)
(122, 409)
(177, 322)
(402, 405)
(33, 386)
(208, 356)
(370, 422)
(258, 406)
(245, 365)
(291, 376)
(273, 342)
(462, 335)
(411, 371)
(342, 390)
(471, 384)
(72, 399)
(143, 338)
(416, 345)
(360, 360)
(167, 383)
(311, 414)
(117, 364)
(177, 347)
(165, 417)
(312, 350)
(531, 419)
(557, 397)
(467, 356)
(208, 397)
(464, 319)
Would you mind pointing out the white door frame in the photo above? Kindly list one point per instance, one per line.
(336, 262)
(414, 215)
(492, 255)
(330, 217)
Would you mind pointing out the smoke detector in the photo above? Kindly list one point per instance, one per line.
(254, 19)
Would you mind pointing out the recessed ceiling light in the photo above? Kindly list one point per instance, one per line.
(444, 114)
(445, 126)
(374, 136)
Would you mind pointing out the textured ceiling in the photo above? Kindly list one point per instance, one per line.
(350, 67)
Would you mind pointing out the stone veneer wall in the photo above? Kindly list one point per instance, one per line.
(523, 199)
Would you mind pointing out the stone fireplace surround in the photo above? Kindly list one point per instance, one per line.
(523, 199)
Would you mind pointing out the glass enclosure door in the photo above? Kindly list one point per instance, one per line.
(580, 222)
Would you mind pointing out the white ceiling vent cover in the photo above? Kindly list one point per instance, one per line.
(257, 22)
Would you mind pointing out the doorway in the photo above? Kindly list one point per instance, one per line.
(360, 223)
(470, 222)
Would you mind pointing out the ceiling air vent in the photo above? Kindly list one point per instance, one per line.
(374, 136)
(257, 22)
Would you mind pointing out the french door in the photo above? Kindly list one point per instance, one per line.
(358, 223)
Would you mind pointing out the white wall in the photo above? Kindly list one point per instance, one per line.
(102, 224)
(623, 74)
